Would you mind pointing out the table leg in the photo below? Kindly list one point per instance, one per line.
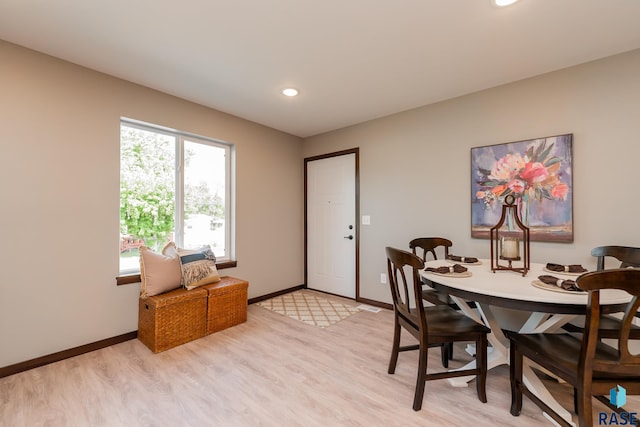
(536, 386)
(496, 354)
(534, 320)
(543, 322)
(538, 323)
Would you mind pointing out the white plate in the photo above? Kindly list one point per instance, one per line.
(554, 288)
(464, 274)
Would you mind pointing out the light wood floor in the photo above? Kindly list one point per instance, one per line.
(269, 371)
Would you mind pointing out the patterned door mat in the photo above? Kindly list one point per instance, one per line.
(309, 308)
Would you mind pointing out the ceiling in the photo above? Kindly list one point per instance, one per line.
(352, 60)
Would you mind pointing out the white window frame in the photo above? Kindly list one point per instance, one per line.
(229, 201)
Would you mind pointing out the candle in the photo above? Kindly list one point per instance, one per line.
(510, 248)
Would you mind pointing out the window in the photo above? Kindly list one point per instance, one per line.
(173, 186)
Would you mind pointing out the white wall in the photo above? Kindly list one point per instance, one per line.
(415, 166)
(59, 181)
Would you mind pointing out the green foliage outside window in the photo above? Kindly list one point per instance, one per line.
(147, 189)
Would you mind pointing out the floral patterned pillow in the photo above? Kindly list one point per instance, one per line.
(198, 267)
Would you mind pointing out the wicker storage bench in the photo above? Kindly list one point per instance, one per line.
(172, 318)
(226, 303)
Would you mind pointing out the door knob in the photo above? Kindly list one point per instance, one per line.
(350, 237)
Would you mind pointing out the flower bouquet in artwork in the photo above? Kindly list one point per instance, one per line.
(537, 174)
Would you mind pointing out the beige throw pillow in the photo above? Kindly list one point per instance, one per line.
(198, 267)
(160, 272)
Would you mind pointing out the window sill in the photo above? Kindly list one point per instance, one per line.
(135, 278)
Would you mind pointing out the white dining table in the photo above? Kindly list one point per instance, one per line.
(547, 310)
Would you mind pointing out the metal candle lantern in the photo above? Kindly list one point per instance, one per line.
(510, 240)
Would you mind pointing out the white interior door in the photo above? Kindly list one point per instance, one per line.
(331, 225)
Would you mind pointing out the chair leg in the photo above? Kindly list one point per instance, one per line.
(422, 374)
(447, 353)
(444, 354)
(515, 375)
(585, 411)
(481, 364)
(396, 346)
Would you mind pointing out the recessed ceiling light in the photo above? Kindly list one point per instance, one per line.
(504, 2)
(290, 91)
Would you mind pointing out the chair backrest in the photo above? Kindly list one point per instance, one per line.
(627, 255)
(625, 279)
(429, 245)
(401, 264)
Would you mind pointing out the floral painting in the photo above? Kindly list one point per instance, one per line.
(537, 173)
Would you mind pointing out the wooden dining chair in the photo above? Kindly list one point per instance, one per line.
(591, 366)
(626, 256)
(431, 326)
(422, 247)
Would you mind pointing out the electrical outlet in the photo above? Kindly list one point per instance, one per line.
(383, 278)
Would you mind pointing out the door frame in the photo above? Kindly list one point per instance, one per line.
(355, 151)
